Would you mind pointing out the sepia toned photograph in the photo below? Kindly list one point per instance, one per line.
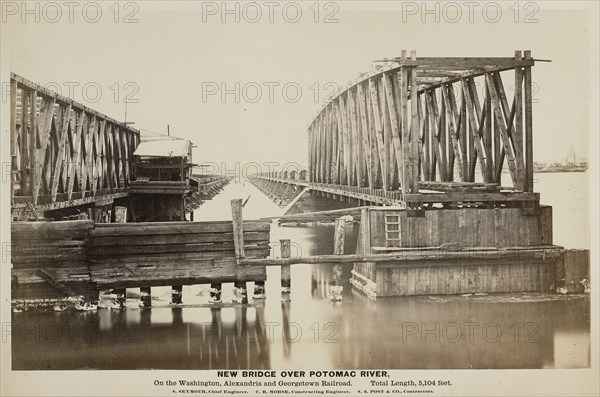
(299, 197)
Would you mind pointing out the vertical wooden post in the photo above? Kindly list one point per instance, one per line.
(463, 136)
(336, 288)
(415, 126)
(32, 140)
(426, 143)
(215, 292)
(356, 127)
(487, 137)
(121, 296)
(321, 149)
(259, 290)
(362, 106)
(145, 297)
(518, 128)
(528, 127)
(241, 293)
(387, 134)
(13, 135)
(407, 166)
(498, 159)
(446, 175)
(310, 152)
(286, 279)
(23, 143)
(177, 294)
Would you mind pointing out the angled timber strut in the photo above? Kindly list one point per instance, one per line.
(423, 131)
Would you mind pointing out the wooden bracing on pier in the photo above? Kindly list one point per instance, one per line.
(63, 153)
(445, 126)
(280, 190)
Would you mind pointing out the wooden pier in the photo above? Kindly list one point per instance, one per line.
(488, 250)
(80, 258)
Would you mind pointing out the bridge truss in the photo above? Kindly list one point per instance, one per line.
(64, 154)
(424, 131)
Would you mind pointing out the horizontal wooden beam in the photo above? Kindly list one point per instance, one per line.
(153, 228)
(63, 99)
(412, 254)
(354, 211)
(21, 201)
(465, 62)
(452, 196)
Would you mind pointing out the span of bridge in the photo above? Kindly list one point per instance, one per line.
(67, 158)
(56, 142)
(413, 132)
(422, 131)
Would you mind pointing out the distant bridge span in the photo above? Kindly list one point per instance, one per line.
(416, 132)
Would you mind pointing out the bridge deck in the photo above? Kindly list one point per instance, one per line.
(432, 192)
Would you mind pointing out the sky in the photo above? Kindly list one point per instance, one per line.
(176, 59)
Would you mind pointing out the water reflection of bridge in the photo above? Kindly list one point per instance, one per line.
(447, 333)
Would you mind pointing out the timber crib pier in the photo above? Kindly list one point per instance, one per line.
(78, 259)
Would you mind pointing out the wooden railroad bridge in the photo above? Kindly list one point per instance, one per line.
(420, 131)
(426, 142)
(68, 160)
(420, 143)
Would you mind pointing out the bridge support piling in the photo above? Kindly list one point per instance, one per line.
(121, 296)
(215, 292)
(259, 290)
(145, 297)
(177, 294)
(336, 288)
(286, 279)
(241, 292)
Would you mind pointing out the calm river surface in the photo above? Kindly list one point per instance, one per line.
(488, 331)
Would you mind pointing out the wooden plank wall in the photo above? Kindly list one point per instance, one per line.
(465, 227)
(87, 257)
(153, 254)
(573, 274)
(427, 119)
(467, 278)
(58, 247)
(364, 273)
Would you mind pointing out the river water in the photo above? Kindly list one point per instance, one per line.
(441, 332)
